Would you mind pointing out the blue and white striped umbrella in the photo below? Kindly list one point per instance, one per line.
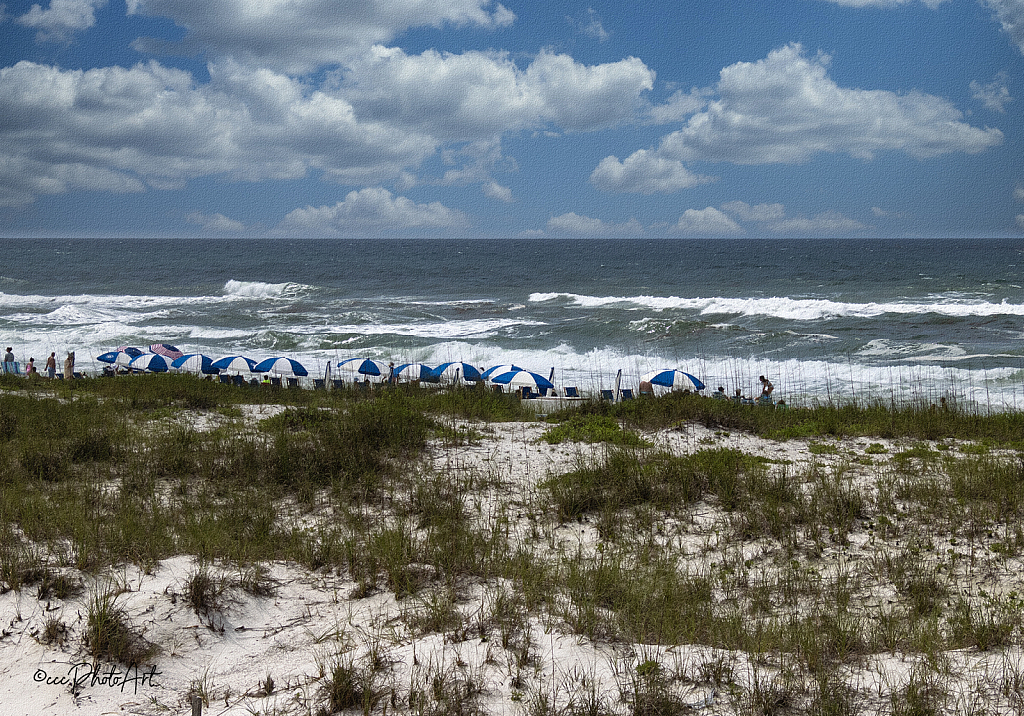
(522, 379)
(280, 366)
(674, 379)
(122, 356)
(498, 370)
(412, 371)
(235, 364)
(195, 363)
(450, 372)
(151, 363)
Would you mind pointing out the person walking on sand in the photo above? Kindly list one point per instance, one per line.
(51, 366)
(69, 366)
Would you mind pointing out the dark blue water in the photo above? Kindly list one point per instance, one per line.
(842, 318)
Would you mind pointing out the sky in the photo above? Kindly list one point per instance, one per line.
(512, 119)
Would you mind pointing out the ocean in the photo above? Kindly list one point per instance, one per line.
(825, 320)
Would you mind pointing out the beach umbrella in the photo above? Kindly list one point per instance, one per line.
(151, 363)
(522, 379)
(448, 372)
(498, 370)
(413, 371)
(166, 350)
(281, 366)
(117, 358)
(237, 364)
(132, 351)
(195, 363)
(674, 379)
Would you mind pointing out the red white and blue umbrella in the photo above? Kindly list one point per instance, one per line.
(235, 364)
(151, 363)
(522, 379)
(413, 372)
(195, 363)
(674, 379)
(450, 372)
(166, 350)
(498, 370)
(280, 366)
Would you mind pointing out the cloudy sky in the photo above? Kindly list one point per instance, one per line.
(519, 118)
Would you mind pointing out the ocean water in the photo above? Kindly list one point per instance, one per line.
(825, 320)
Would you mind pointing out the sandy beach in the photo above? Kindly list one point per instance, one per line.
(275, 636)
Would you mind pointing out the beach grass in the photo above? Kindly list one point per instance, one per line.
(899, 536)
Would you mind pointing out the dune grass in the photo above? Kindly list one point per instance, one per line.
(813, 570)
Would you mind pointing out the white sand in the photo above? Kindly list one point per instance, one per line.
(311, 621)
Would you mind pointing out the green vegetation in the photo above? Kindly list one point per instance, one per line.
(811, 568)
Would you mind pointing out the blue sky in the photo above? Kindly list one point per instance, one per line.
(474, 118)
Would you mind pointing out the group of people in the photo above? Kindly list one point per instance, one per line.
(31, 371)
(765, 397)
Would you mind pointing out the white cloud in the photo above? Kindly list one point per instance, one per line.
(374, 210)
(679, 106)
(216, 223)
(785, 109)
(707, 222)
(496, 191)
(591, 26)
(480, 94)
(1010, 14)
(62, 17)
(761, 212)
(644, 172)
(826, 224)
(298, 36)
(994, 95)
(119, 129)
(573, 224)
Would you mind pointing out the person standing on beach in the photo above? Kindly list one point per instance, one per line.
(51, 366)
(69, 366)
(30, 369)
(766, 388)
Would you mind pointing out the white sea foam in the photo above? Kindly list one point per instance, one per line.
(258, 289)
(796, 309)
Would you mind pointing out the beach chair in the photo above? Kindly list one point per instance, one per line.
(239, 381)
(571, 391)
(275, 381)
(225, 379)
(293, 382)
(626, 394)
(607, 395)
(337, 383)
(525, 393)
(319, 384)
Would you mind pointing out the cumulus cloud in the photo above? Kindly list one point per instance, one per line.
(644, 172)
(375, 211)
(994, 95)
(706, 222)
(216, 223)
(1010, 14)
(479, 94)
(785, 109)
(761, 212)
(62, 17)
(121, 128)
(299, 36)
(572, 224)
